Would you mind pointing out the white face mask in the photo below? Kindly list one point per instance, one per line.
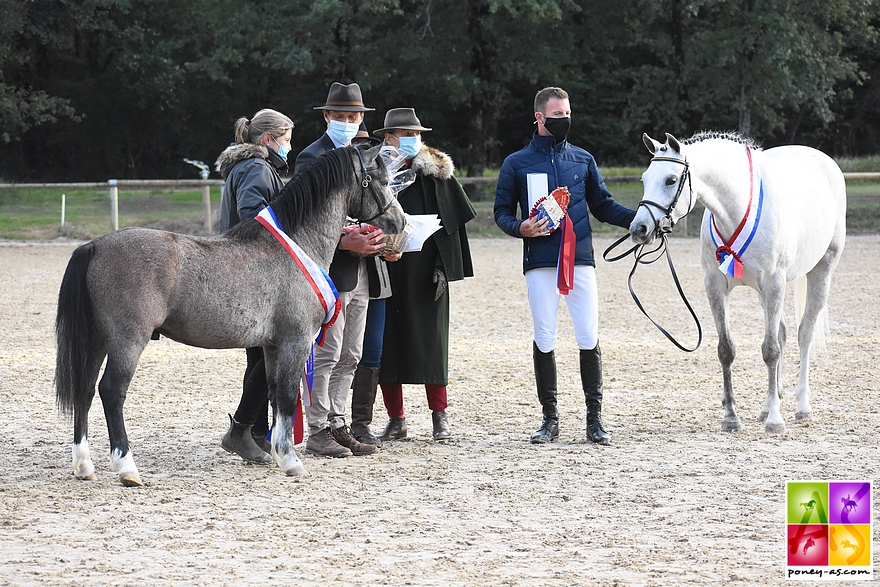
(342, 132)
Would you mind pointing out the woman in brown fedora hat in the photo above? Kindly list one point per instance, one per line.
(416, 341)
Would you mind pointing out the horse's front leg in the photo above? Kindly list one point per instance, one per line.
(284, 368)
(718, 294)
(772, 298)
(114, 384)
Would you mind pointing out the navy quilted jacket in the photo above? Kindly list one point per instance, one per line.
(565, 165)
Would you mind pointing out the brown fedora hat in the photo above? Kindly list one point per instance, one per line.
(344, 98)
(363, 137)
(400, 119)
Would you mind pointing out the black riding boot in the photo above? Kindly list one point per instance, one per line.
(363, 396)
(591, 378)
(545, 380)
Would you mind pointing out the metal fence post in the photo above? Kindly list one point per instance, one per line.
(114, 205)
(206, 199)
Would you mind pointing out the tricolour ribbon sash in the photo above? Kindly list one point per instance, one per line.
(327, 294)
(729, 252)
(565, 265)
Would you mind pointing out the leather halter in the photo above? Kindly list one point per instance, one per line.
(367, 185)
(665, 223)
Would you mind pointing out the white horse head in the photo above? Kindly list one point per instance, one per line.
(668, 190)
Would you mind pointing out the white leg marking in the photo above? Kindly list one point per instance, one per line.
(83, 468)
(123, 465)
(282, 449)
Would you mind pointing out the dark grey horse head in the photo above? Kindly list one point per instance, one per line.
(378, 204)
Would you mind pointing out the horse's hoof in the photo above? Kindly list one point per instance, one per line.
(297, 471)
(89, 477)
(774, 428)
(803, 416)
(731, 425)
(131, 480)
(762, 417)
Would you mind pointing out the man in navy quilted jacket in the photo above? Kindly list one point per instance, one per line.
(558, 256)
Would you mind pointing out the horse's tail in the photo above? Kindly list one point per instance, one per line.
(800, 306)
(76, 337)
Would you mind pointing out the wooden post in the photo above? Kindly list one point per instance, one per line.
(114, 205)
(206, 199)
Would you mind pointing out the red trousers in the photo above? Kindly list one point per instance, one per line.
(392, 394)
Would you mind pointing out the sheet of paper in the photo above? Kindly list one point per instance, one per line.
(537, 187)
(423, 225)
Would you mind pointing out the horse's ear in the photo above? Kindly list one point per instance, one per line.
(673, 143)
(652, 145)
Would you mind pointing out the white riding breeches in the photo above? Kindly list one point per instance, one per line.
(582, 302)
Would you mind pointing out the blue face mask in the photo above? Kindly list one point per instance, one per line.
(342, 132)
(410, 146)
(283, 151)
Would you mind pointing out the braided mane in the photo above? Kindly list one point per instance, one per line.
(705, 135)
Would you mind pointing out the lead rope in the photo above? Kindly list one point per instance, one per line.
(641, 257)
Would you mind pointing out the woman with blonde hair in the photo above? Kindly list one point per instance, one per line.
(250, 167)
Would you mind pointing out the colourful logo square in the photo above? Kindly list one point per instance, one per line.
(850, 545)
(849, 502)
(808, 545)
(807, 502)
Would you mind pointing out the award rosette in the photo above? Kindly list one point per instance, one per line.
(552, 207)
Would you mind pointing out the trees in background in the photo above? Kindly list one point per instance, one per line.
(115, 88)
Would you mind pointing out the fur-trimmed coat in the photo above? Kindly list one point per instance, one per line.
(416, 342)
(252, 181)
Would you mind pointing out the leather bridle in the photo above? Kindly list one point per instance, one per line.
(665, 223)
(367, 186)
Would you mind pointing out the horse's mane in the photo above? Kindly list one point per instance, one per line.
(306, 194)
(705, 135)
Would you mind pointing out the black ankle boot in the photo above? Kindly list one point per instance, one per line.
(591, 378)
(238, 440)
(545, 380)
(363, 396)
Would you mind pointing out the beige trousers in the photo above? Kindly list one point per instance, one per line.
(336, 361)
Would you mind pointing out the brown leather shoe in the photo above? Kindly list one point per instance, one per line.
(345, 438)
(325, 445)
(395, 430)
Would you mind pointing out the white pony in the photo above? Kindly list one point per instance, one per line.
(771, 217)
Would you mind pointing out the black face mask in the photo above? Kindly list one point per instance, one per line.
(558, 127)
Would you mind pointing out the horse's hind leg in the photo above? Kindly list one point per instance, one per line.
(121, 365)
(83, 467)
(818, 286)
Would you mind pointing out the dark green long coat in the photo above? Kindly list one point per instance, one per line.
(416, 344)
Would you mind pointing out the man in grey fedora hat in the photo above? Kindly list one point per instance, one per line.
(343, 112)
(350, 270)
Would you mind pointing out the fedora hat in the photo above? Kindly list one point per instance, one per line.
(400, 119)
(344, 98)
(363, 137)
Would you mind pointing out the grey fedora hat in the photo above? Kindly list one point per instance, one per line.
(400, 119)
(344, 98)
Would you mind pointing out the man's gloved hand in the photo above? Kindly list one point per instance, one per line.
(440, 280)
